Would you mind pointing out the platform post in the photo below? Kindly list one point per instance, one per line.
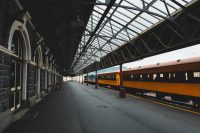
(87, 79)
(96, 80)
(82, 78)
(122, 92)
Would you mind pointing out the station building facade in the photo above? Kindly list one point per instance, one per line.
(28, 70)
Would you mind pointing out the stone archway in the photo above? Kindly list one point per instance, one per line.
(19, 45)
(38, 59)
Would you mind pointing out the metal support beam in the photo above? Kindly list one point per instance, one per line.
(111, 3)
(87, 79)
(122, 93)
(82, 78)
(96, 79)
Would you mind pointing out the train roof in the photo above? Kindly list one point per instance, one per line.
(167, 64)
(160, 65)
(109, 73)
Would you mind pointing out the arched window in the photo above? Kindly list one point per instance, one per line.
(16, 45)
(16, 71)
(37, 74)
(39, 63)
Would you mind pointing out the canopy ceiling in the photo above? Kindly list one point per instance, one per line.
(125, 21)
(82, 32)
(61, 23)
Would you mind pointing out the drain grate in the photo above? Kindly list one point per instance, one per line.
(30, 116)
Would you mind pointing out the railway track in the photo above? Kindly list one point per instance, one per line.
(171, 103)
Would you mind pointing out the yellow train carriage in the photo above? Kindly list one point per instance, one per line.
(180, 78)
(111, 79)
(187, 89)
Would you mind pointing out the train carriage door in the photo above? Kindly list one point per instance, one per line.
(16, 72)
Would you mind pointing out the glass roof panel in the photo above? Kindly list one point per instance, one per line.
(123, 35)
(134, 28)
(136, 24)
(181, 2)
(118, 41)
(144, 22)
(121, 21)
(131, 33)
(125, 20)
(161, 6)
(116, 25)
(136, 3)
(149, 17)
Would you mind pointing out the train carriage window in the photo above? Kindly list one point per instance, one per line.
(165, 77)
(196, 74)
(149, 76)
(186, 76)
(190, 76)
(180, 77)
(132, 76)
(145, 77)
(161, 77)
(154, 76)
(172, 76)
(137, 77)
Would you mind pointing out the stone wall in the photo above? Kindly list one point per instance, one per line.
(4, 81)
(42, 79)
(31, 80)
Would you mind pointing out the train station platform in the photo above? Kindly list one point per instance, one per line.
(78, 108)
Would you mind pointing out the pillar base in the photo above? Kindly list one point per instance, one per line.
(31, 101)
(122, 93)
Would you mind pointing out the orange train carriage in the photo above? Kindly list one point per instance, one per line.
(111, 79)
(180, 80)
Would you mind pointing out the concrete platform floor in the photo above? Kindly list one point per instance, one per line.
(79, 108)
